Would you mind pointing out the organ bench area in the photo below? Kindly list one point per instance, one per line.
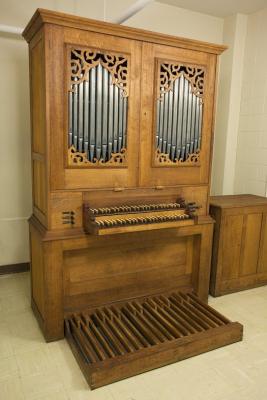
(122, 128)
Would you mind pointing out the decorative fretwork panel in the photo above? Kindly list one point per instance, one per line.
(179, 115)
(98, 103)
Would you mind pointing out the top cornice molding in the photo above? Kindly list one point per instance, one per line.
(42, 16)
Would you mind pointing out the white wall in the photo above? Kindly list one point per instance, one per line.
(251, 164)
(15, 164)
(15, 175)
(178, 21)
(228, 105)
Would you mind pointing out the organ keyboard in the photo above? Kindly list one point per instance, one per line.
(128, 218)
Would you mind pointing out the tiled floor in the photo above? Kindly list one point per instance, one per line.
(30, 369)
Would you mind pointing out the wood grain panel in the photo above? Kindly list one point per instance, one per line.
(173, 175)
(38, 98)
(231, 246)
(39, 186)
(137, 267)
(240, 243)
(60, 203)
(87, 264)
(250, 244)
(37, 271)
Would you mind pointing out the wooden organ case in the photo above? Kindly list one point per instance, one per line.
(122, 125)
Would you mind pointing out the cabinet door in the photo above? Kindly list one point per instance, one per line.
(94, 107)
(176, 115)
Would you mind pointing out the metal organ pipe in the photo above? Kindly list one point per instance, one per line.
(86, 115)
(110, 116)
(124, 127)
(75, 116)
(70, 119)
(92, 81)
(105, 114)
(170, 112)
(80, 119)
(174, 121)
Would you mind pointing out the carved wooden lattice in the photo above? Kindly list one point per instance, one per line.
(179, 115)
(83, 60)
(170, 72)
(164, 159)
(98, 102)
(80, 159)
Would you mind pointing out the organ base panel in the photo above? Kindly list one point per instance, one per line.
(122, 125)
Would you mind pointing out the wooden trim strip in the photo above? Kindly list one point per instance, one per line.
(14, 268)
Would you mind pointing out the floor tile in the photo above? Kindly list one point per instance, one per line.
(12, 389)
(8, 368)
(31, 369)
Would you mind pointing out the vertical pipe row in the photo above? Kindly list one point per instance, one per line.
(179, 121)
(97, 116)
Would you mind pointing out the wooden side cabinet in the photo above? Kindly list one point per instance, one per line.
(239, 259)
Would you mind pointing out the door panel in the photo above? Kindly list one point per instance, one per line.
(176, 119)
(231, 246)
(94, 141)
(250, 244)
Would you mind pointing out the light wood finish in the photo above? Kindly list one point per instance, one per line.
(73, 270)
(87, 270)
(37, 273)
(151, 174)
(239, 247)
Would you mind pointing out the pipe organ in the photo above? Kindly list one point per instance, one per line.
(122, 125)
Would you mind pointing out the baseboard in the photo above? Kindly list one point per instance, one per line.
(14, 268)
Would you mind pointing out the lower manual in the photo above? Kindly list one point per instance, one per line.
(124, 339)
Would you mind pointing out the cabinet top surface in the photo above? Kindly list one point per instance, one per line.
(42, 16)
(238, 200)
